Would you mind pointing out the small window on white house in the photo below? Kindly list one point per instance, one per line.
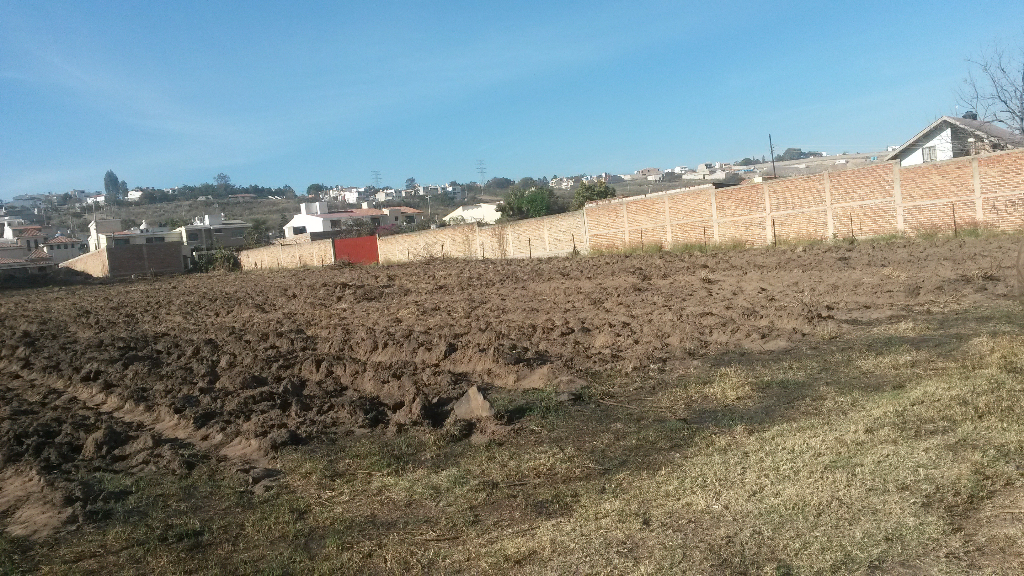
(297, 230)
(929, 154)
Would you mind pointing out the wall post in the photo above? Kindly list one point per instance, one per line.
(976, 173)
(828, 204)
(769, 222)
(897, 195)
(714, 213)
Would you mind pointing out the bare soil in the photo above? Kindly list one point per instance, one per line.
(162, 375)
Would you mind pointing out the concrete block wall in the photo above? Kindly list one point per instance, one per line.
(291, 255)
(860, 202)
(122, 261)
(93, 263)
(448, 242)
(556, 235)
(162, 258)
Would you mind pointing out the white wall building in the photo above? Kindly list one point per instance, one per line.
(314, 217)
(62, 248)
(950, 137)
(485, 213)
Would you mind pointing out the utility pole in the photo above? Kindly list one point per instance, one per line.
(482, 170)
(376, 178)
(771, 149)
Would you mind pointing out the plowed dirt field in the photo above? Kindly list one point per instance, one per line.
(165, 374)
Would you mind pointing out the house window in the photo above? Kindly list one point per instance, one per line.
(929, 154)
(410, 219)
(238, 233)
(335, 224)
(218, 231)
(296, 230)
(121, 241)
(193, 236)
(375, 221)
(154, 240)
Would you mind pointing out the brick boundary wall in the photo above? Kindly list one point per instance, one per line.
(160, 258)
(290, 255)
(92, 263)
(860, 202)
(122, 261)
(556, 235)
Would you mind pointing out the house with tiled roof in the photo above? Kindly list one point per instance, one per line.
(63, 248)
(949, 137)
(314, 218)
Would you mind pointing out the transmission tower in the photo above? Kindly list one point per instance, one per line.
(482, 170)
(376, 178)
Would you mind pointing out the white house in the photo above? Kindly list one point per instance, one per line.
(109, 232)
(314, 217)
(950, 137)
(62, 248)
(483, 213)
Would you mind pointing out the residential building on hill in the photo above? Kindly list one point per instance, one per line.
(950, 137)
(313, 217)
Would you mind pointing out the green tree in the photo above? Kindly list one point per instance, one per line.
(499, 184)
(314, 190)
(532, 203)
(527, 183)
(410, 183)
(258, 233)
(223, 182)
(589, 191)
(111, 185)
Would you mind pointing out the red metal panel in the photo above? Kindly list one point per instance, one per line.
(362, 250)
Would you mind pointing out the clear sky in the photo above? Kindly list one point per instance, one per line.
(273, 93)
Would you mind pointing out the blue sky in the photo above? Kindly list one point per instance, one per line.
(274, 93)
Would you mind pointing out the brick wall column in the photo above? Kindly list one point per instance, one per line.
(586, 232)
(668, 224)
(828, 204)
(625, 225)
(714, 213)
(897, 195)
(767, 214)
(978, 212)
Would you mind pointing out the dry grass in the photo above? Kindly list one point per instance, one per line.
(895, 451)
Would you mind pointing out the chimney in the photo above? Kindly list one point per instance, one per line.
(970, 115)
